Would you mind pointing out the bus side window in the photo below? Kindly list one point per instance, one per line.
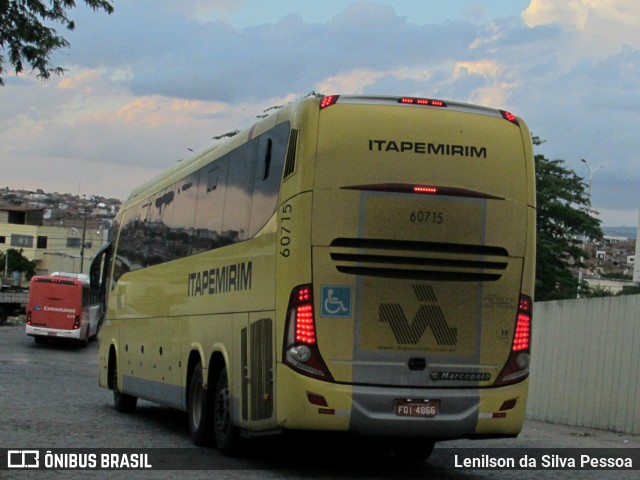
(180, 219)
(267, 159)
(237, 202)
(271, 154)
(209, 208)
(212, 178)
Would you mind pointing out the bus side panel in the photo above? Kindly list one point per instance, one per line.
(150, 364)
(169, 311)
(293, 268)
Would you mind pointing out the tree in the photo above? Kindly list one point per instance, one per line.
(564, 218)
(17, 262)
(26, 38)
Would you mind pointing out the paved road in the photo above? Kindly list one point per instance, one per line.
(49, 398)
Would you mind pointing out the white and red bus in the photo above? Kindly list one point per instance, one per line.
(62, 306)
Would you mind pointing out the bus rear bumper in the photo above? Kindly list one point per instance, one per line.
(53, 332)
(309, 404)
(459, 413)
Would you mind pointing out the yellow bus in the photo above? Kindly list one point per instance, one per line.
(348, 264)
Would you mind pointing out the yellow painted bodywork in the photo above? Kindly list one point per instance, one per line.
(155, 322)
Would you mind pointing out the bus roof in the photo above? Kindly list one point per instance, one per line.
(187, 166)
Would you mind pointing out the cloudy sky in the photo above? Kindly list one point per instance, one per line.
(159, 78)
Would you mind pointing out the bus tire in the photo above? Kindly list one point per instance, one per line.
(413, 450)
(226, 433)
(199, 409)
(123, 402)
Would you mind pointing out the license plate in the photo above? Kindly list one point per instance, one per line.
(417, 407)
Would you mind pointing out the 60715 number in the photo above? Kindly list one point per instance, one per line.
(426, 216)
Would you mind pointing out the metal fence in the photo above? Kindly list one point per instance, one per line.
(585, 368)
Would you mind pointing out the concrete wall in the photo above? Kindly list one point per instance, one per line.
(585, 368)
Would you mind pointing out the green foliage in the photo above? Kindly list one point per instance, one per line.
(617, 276)
(26, 38)
(17, 262)
(596, 292)
(629, 290)
(564, 217)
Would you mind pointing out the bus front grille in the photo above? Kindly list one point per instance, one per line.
(416, 260)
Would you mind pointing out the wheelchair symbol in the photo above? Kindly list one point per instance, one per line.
(334, 305)
(336, 301)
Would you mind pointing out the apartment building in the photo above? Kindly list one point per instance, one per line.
(54, 248)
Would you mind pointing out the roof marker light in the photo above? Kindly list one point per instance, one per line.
(428, 102)
(328, 101)
(510, 116)
(424, 189)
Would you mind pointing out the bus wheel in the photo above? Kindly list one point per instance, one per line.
(124, 403)
(199, 409)
(413, 450)
(226, 433)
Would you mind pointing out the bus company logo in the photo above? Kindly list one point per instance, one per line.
(37, 308)
(229, 278)
(460, 376)
(59, 309)
(428, 316)
(23, 459)
(427, 148)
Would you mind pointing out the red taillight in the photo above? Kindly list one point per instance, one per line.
(517, 365)
(305, 325)
(76, 323)
(300, 349)
(509, 116)
(29, 318)
(523, 325)
(328, 101)
(422, 101)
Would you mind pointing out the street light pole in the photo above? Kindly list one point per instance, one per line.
(591, 172)
(584, 237)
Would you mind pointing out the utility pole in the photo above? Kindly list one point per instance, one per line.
(84, 234)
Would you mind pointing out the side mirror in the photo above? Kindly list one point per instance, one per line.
(98, 269)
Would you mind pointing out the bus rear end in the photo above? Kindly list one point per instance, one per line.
(55, 309)
(422, 246)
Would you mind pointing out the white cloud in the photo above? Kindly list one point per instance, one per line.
(353, 82)
(594, 28)
(619, 217)
(93, 121)
(207, 10)
(153, 80)
(496, 87)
